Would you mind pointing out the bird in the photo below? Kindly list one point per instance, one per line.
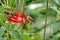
(26, 17)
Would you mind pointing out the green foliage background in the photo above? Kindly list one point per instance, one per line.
(36, 31)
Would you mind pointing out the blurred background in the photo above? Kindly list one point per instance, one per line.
(36, 9)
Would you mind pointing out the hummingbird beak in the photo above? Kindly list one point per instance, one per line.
(31, 19)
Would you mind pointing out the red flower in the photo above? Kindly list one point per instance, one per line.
(18, 18)
(21, 14)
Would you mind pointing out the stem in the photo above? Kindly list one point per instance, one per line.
(28, 29)
(23, 5)
(20, 4)
(46, 20)
(7, 3)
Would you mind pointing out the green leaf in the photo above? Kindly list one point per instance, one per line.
(11, 3)
(2, 29)
(56, 26)
(36, 36)
(2, 9)
(15, 35)
(2, 17)
(5, 38)
(28, 26)
(26, 37)
(52, 31)
(56, 2)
